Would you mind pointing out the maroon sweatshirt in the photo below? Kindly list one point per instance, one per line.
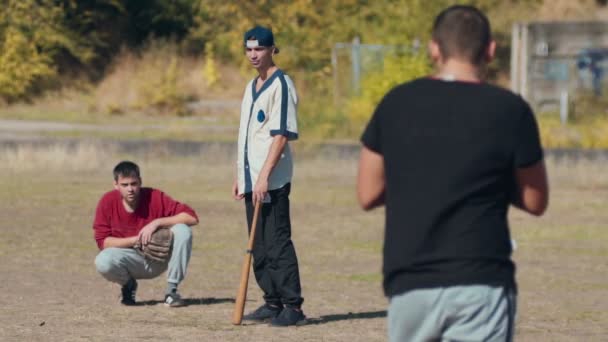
(112, 219)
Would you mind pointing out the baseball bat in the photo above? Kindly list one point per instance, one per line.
(241, 296)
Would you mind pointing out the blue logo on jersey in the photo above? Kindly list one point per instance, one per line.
(261, 116)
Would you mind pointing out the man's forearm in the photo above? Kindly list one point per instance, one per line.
(184, 218)
(371, 185)
(127, 242)
(274, 154)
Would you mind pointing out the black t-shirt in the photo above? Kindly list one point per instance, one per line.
(450, 150)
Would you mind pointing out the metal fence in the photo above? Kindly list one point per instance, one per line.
(553, 62)
(352, 62)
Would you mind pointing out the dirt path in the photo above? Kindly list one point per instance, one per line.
(32, 129)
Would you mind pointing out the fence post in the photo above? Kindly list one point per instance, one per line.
(334, 66)
(563, 106)
(523, 76)
(515, 56)
(356, 63)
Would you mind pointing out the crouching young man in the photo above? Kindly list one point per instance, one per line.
(125, 221)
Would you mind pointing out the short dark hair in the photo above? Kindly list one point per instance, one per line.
(126, 169)
(462, 32)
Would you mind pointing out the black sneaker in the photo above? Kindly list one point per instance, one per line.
(289, 316)
(263, 313)
(128, 292)
(174, 300)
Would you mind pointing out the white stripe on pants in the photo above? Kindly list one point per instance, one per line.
(118, 265)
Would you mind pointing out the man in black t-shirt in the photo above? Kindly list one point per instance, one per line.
(447, 155)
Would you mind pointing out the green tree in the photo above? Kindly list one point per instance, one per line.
(106, 26)
(31, 36)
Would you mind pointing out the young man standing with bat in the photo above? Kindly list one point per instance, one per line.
(142, 232)
(447, 155)
(264, 171)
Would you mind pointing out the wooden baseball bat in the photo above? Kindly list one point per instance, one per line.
(241, 296)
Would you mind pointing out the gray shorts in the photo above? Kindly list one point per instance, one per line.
(121, 264)
(455, 313)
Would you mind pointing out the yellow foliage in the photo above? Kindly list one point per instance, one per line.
(32, 33)
(210, 71)
(21, 64)
(306, 30)
(555, 135)
(161, 90)
(397, 69)
(595, 134)
(591, 133)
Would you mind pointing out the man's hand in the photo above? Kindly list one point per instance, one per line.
(235, 191)
(146, 232)
(259, 190)
(159, 247)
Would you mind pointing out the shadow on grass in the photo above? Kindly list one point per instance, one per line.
(347, 316)
(191, 301)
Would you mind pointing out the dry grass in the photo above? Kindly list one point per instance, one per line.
(86, 157)
(135, 80)
(583, 174)
(157, 80)
(51, 291)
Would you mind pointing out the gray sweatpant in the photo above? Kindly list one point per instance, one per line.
(455, 313)
(118, 265)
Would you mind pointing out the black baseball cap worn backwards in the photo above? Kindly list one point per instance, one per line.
(263, 37)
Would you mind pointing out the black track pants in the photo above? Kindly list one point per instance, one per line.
(275, 263)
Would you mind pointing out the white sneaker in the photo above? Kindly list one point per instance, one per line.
(174, 300)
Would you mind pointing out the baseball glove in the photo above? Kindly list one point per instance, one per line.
(159, 247)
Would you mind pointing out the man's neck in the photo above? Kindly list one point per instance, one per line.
(455, 70)
(130, 207)
(266, 72)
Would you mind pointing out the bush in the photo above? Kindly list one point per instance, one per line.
(160, 90)
(21, 65)
(162, 80)
(588, 106)
(397, 69)
(589, 133)
(153, 81)
(32, 34)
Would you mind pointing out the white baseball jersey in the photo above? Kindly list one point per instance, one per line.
(266, 113)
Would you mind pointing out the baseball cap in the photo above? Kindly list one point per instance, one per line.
(263, 37)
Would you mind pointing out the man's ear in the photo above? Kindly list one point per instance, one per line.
(434, 51)
(491, 51)
(116, 185)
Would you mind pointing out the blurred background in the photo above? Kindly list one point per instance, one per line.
(175, 69)
(85, 84)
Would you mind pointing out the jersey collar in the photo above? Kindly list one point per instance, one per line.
(267, 84)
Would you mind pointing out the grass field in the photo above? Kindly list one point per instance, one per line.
(51, 291)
